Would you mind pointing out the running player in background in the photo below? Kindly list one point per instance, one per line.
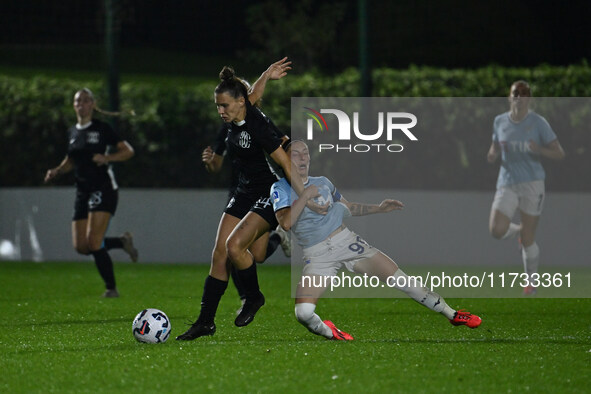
(96, 188)
(521, 138)
(329, 245)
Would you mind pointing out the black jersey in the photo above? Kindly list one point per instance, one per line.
(220, 149)
(249, 142)
(84, 143)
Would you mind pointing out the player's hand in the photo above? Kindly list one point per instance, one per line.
(50, 174)
(309, 194)
(279, 69)
(491, 157)
(100, 160)
(390, 205)
(207, 155)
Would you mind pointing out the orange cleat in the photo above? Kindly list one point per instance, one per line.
(463, 318)
(529, 290)
(337, 334)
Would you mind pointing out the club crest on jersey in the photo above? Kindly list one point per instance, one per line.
(92, 137)
(244, 140)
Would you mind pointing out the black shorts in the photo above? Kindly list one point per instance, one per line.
(242, 203)
(103, 200)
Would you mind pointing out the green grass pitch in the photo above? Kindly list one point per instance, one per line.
(58, 335)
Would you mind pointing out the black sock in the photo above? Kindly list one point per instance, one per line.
(113, 243)
(237, 283)
(250, 281)
(274, 242)
(104, 264)
(212, 293)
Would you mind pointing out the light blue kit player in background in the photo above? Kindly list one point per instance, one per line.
(521, 138)
(328, 245)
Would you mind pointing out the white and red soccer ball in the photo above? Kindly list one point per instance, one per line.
(151, 326)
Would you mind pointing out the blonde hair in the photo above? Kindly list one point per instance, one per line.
(521, 82)
(129, 112)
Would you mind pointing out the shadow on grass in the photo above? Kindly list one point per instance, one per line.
(77, 322)
(208, 342)
(81, 349)
(488, 341)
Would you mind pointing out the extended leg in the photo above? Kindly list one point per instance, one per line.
(387, 271)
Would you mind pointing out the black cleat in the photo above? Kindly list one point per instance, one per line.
(197, 330)
(127, 240)
(110, 293)
(249, 310)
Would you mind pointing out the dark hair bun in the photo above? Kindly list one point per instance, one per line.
(227, 74)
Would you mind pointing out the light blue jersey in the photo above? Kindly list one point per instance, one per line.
(518, 163)
(311, 228)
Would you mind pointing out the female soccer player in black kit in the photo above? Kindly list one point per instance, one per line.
(249, 213)
(96, 188)
(213, 159)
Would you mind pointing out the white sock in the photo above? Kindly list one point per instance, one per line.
(422, 295)
(531, 258)
(512, 230)
(305, 314)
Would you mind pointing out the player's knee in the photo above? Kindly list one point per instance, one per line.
(233, 248)
(497, 231)
(219, 254)
(94, 244)
(258, 256)
(81, 246)
(81, 249)
(304, 311)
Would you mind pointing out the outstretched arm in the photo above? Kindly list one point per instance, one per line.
(276, 70)
(360, 209)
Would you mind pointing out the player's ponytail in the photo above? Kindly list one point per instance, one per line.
(129, 112)
(231, 84)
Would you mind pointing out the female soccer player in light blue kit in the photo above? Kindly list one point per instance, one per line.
(329, 245)
(521, 138)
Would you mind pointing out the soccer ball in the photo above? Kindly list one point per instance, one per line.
(151, 326)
